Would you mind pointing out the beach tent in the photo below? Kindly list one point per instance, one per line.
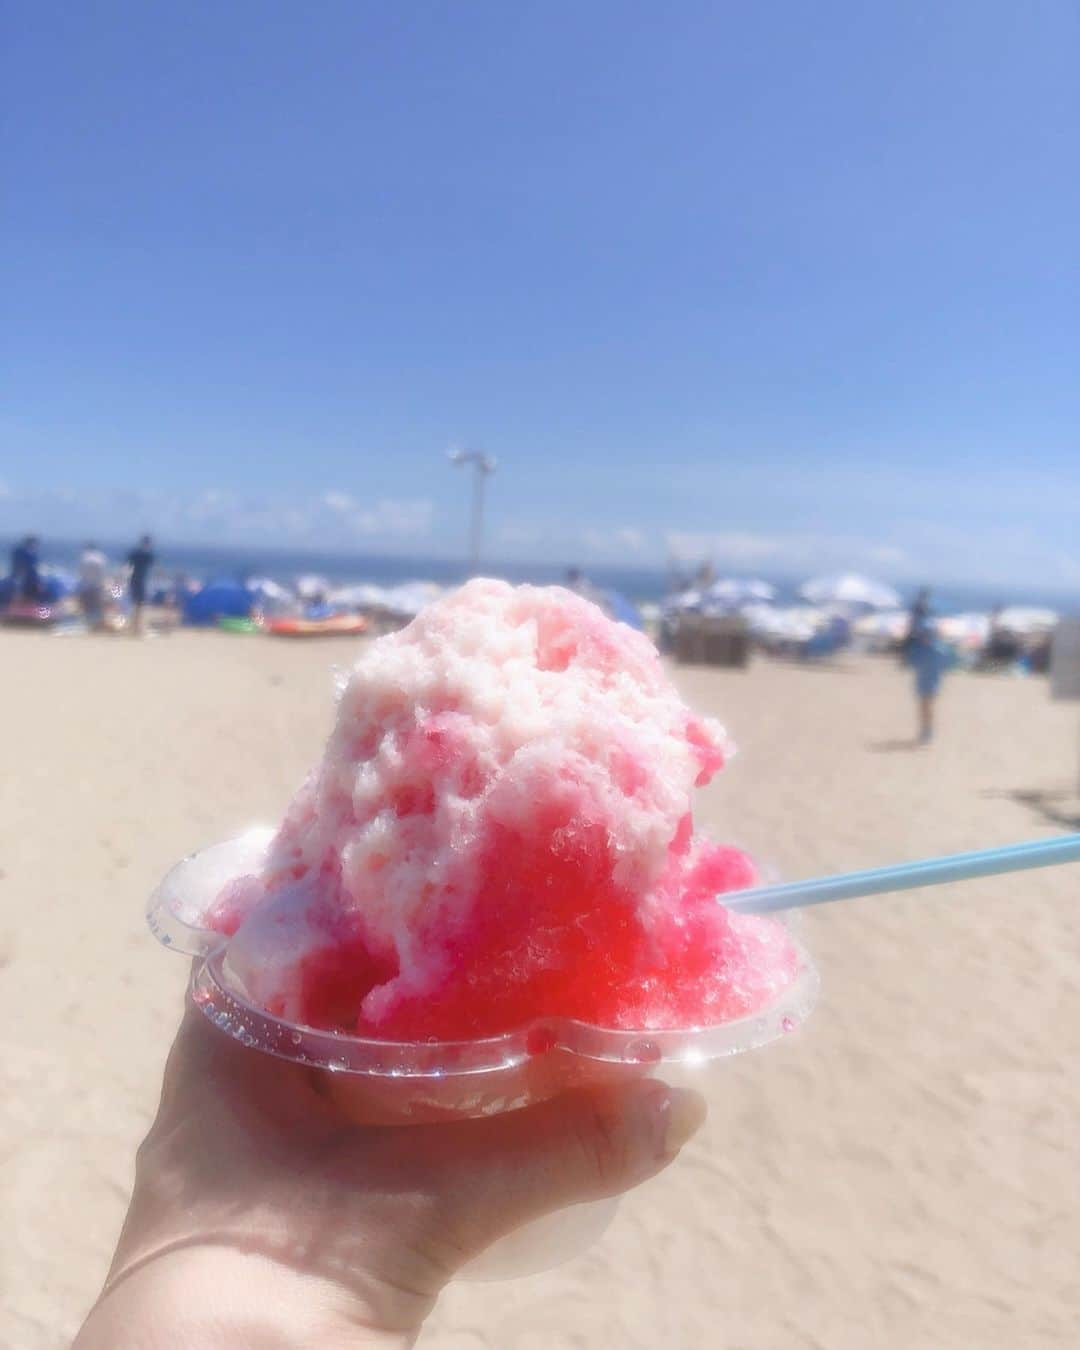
(222, 598)
(850, 590)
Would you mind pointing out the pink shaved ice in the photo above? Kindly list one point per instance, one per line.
(500, 830)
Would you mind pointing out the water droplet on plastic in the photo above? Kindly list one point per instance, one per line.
(296, 1038)
(788, 1024)
(539, 1040)
(643, 1052)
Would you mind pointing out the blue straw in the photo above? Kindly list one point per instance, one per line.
(983, 862)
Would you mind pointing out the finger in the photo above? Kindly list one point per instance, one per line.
(492, 1175)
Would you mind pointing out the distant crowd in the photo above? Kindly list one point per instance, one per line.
(100, 587)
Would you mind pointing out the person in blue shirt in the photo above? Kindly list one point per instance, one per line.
(140, 560)
(25, 577)
(928, 658)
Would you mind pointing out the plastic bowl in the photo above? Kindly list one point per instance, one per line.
(406, 1082)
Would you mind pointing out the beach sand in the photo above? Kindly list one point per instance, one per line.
(902, 1174)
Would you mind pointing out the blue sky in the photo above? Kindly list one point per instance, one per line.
(795, 285)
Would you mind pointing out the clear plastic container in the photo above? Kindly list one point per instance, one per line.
(394, 1082)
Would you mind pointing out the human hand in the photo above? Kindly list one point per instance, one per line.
(263, 1217)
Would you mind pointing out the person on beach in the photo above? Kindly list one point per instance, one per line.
(140, 560)
(25, 574)
(93, 568)
(927, 657)
(263, 1217)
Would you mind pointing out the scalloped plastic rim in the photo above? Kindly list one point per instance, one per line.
(192, 884)
(338, 1052)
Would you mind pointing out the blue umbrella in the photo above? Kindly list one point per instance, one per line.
(622, 610)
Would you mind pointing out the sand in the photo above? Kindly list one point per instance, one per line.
(901, 1174)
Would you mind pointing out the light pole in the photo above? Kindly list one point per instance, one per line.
(483, 465)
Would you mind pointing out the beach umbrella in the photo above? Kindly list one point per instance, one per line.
(1026, 620)
(735, 591)
(850, 589)
(684, 600)
(794, 623)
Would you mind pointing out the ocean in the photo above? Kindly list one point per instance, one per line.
(635, 582)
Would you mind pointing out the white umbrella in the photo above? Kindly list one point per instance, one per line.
(797, 623)
(311, 586)
(849, 588)
(1027, 619)
(267, 591)
(735, 591)
(684, 600)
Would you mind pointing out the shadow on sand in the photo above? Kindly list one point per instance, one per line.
(1050, 805)
(888, 747)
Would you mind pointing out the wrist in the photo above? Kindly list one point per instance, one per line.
(204, 1297)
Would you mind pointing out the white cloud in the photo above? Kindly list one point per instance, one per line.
(794, 553)
(213, 515)
(209, 504)
(394, 516)
(733, 546)
(611, 544)
(888, 555)
(296, 522)
(520, 536)
(630, 538)
(1068, 569)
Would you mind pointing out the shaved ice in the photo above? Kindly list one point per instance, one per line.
(500, 830)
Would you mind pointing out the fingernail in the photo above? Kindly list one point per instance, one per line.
(682, 1113)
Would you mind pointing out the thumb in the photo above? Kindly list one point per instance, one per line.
(495, 1174)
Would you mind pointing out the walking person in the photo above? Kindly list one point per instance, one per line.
(928, 658)
(140, 560)
(93, 568)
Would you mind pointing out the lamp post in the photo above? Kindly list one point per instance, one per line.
(483, 465)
